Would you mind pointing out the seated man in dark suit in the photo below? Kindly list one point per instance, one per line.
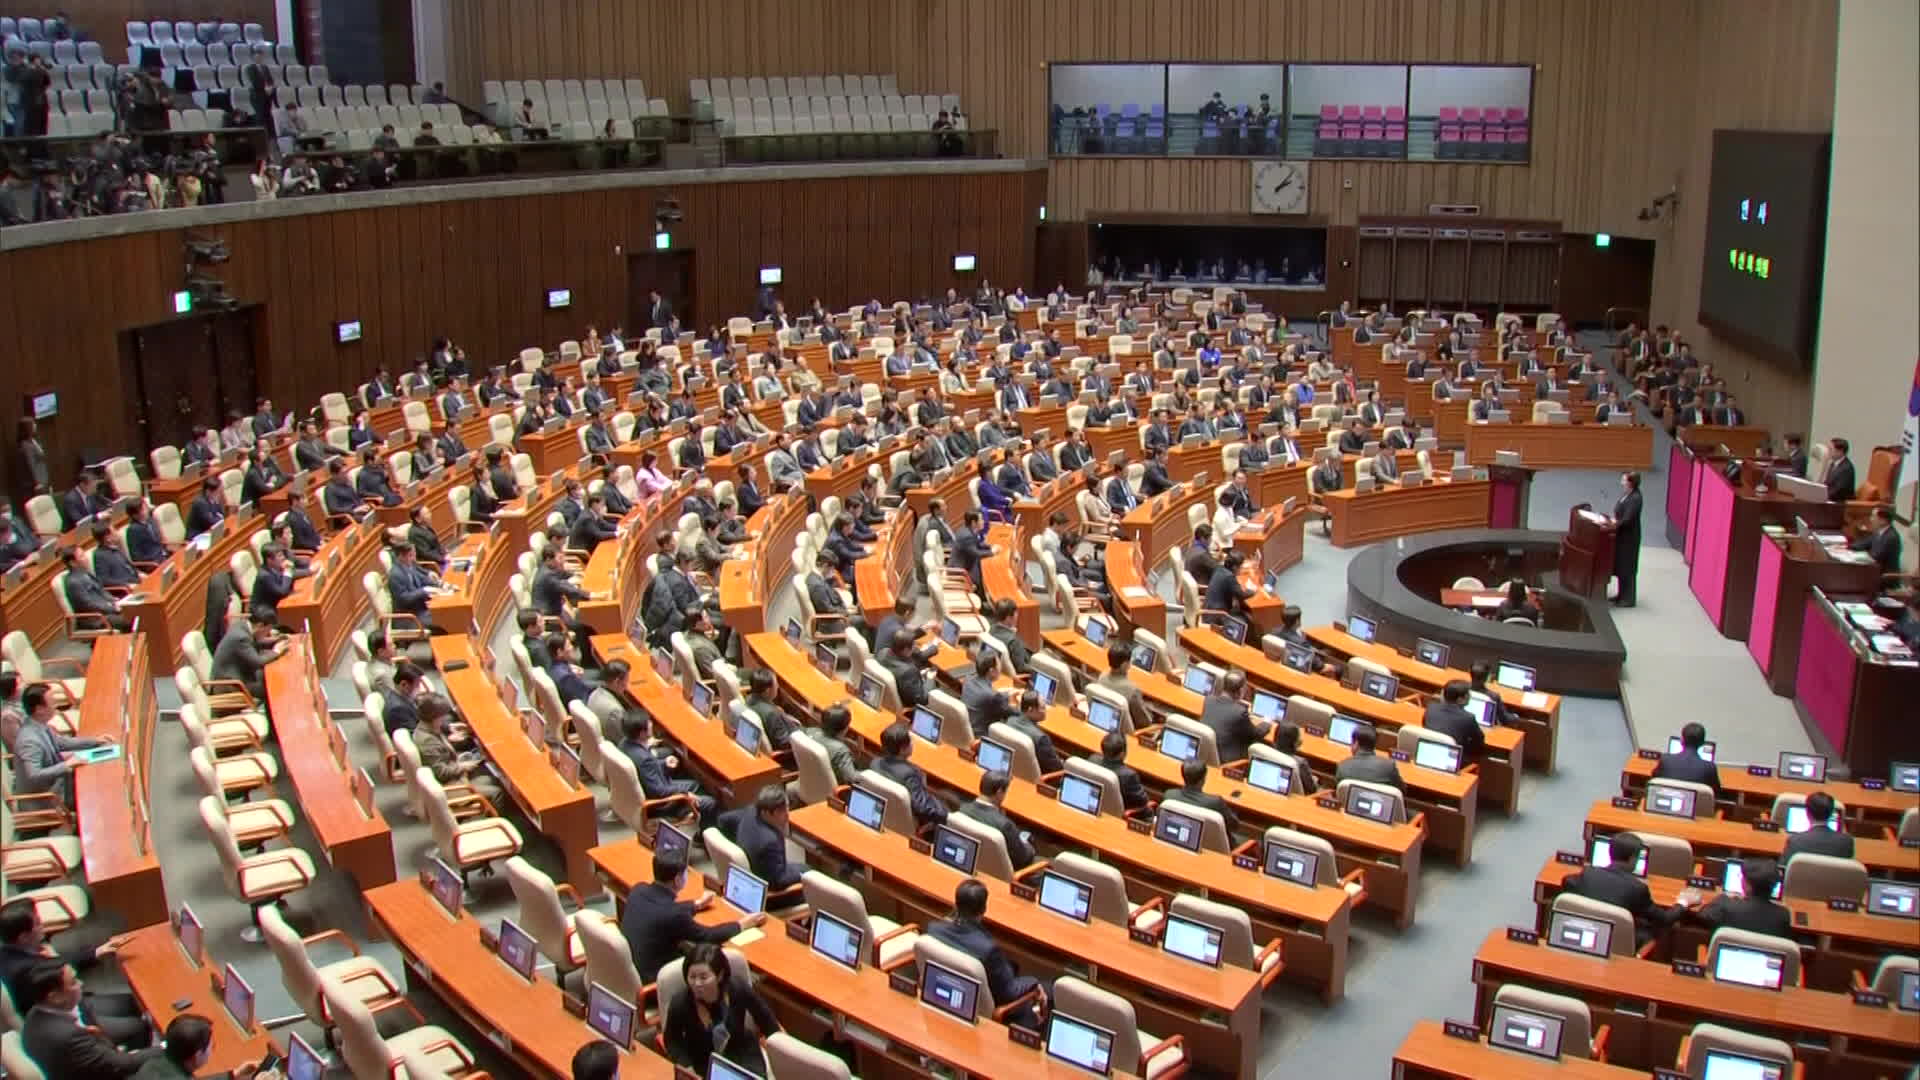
(1193, 790)
(966, 931)
(1839, 478)
(896, 746)
(1881, 541)
(762, 834)
(1155, 480)
(86, 597)
(208, 508)
(1027, 722)
(1113, 758)
(1686, 763)
(652, 760)
(1755, 912)
(24, 945)
(986, 703)
(82, 500)
(1367, 765)
(52, 1032)
(263, 475)
(986, 810)
(970, 547)
(111, 567)
(1224, 591)
(905, 664)
(1233, 726)
(144, 544)
(1449, 717)
(657, 923)
(591, 528)
(338, 497)
(1821, 838)
(372, 483)
(1616, 884)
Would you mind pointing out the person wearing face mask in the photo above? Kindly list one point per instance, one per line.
(717, 1013)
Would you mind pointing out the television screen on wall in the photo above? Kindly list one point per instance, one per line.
(1766, 239)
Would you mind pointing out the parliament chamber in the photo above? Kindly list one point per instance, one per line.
(966, 571)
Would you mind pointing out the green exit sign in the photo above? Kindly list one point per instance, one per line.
(1603, 239)
(1748, 263)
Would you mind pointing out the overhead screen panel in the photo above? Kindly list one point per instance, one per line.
(1766, 234)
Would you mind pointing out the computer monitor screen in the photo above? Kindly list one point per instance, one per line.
(1144, 657)
(949, 631)
(1798, 821)
(1232, 629)
(1907, 995)
(1671, 801)
(1266, 706)
(1733, 881)
(1904, 776)
(866, 806)
(1102, 714)
(964, 263)
(1361, 627)
(609, 1016)
(1384, 687)
(1580, 934)
(835, 940)
(1065, 896)
(303, 1062)
(1043, 687)
(1897, 898)
(1178, 829)
(1179, 745)
(237, 996)
(793, 630)
(1600, 854)
(1372, 805)
(1197, 679)
(1527, 1032)
(701, 699)
(192, 934)
(824, 658)
(1080, 793)
(1515, 675)
(1298, 657)
(1811, 768)
(926, 723)
(1195, 941)
(769, 275)
(518, 948)
(1436, 755)
(871, 691)
(1749, 967)
(1079, 1043)
(744, 891)
(1095, 631)
(719, 1068)
(1431, 652)
(446, 886)
(559, 298)
(1340, 729)
(948, 991)
(955, 848)
(1706, 750)
(1269, 775)
(1481, 706)
(668, 838)
(348, 331)
(1722, 1065)
(1289, 863)
(994, 757)
(747, 736)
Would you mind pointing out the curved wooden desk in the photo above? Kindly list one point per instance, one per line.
(328, 604)
(1428, 1053)
(1386, 512)
(730, 773)
(113, 799)
(1564, 446)
(167, 984)
(1868, 810)
(356, 840)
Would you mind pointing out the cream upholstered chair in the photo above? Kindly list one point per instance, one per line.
(237, 775)
(1236, 945)
(628, 799)
(814, 782)
(1786, 948)
(363, 976)
(366, 1053)
(1886, 975)
(230, 724)
(1388, 792)
(15, 1060)
(165, 461)
(790, 1059)
(254, 822)
(1577, 1035)
(466, 844)
(993, 859)
(66, 676)
(1667, 856)
(1703, 804)
(1110, 902)
(1600, 911)
(334, 408)
(542, 917)
(122, 479)
(887, 942)
(43, 516)
(257, 879)
(1822, 877)
(931, 950)
(1704, 1038)
(1133, 1050)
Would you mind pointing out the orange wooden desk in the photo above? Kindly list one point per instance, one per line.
(1216, 1009)
(1564, 446)
(1429, 1054)
(313, 757)
(840, 477)
(172, 599)
(1450, 800)
(1135, 604)
(328, 604)
(554, 450)
(1741, 442)
(477, 572)
(732, 775)
(113, 799)
(527, 513)
(954, 491)
(1004, 576)
(1712, 836)
(1313, 921)
(562, 811)
(1159, 525)
(1867, 811)
(1386, 512)
(617, 573)
(1651, 1008)
(526, 1021)
(162, 978)
(878, 578)
(1843, 942)
(1540, 722)
(1499, 763)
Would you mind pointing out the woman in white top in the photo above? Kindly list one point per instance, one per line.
(266, 182)
(951, 380)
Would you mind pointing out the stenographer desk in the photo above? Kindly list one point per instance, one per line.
(314, 759)
(1651, 1008)
(1391, 511)
(1313, 921)
(1217, 1010)
(1627, 447)
(1724, 522)
(524, 1020)
(1787, 570)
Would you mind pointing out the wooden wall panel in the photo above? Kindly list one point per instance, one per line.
(477, 270)
(105, 21)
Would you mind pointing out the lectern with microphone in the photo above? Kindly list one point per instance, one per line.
(1586, 554)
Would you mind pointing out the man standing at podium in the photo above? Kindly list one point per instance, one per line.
(1626, 539)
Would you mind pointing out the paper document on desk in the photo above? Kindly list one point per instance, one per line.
(1597, 519)
(1487, 601)
(1135, 592)
(746, 937)
(1533, 699)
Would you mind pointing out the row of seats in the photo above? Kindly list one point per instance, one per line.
(193, 56)
(164, 32)
(54, 52)
(404, 118)
(317, 94)
(714, 88)
(513, 91)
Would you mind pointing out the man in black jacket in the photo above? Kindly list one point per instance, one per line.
(111, 566)
(373, 483)
(1821, 838)
(1755, 912)
(263, 475)
(1027, 722)
(986, 810)
(1002, 612)
(1449, 717)
(651, 762)
(966, 931)
(208, 508)
(86, 597)
(905, 665)
(1224, 591)
(762, 834)
(273, 583)
(1113, 758)
(1686, 763)
(1155, 480)
(657, 923)
(23, 944)
(338, 498)
(1233, 727)
(1616, 884)
(1367, 765)
(896, 746)
(83, 500)
(1193, 791)
(970, 548)
(592, 528)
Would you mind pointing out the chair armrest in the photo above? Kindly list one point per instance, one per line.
(904, 928)
(1859, 980)
(334, 935)
(796, 889)
(1171, 1042)
(813, 627)
(1140, 813)
(566, 891)
(1035, 867)
(1600, 1043)
(60, 902)
(1158, 903)
(1419, 821)
(1272, 948)
(1034, 995)
(1246, 848)
(429, 1050)
(40, 855)
(279, 857)
(1052, 777)
(648, 806)
(48, 663)
(1358, 876)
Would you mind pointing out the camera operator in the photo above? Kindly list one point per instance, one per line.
(34, 81)
(300, 177)
(204, 161)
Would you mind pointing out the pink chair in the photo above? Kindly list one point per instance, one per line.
(1326, 139)
(1370, 113)
(1349, 132)
(1396, 114)
(1496, 136)
(1474, 143)
(1375, 136)
(1349, 112)
(1449, 114)
(1330, 112)
(1396, 133)
(1449, 146)
(1516, 114)
(1469, 115)
(1517, 142)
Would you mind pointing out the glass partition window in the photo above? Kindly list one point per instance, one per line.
(1347, 110)
(1225, 109)
(1108, 108)
(1478, 113)
(1260, 256)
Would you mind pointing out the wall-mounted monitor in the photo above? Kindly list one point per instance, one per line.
(1766, 233)
(769, 275)
(559, 298)
(41, 404)
(344, 332)
(963, 263)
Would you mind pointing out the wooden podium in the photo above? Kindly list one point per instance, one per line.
(1586, 554)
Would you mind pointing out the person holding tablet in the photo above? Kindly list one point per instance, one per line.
(717, 1013)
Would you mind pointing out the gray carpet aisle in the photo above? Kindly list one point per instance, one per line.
(1678, 670)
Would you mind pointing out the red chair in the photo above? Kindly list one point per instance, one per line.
(1349, 113)
(1449, 145)
(1449, 114)
(1396, 114)
(1371, 114)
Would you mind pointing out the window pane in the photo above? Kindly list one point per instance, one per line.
(1108, 108)
(1469, 113)
(1225, 108)
(1346, 110)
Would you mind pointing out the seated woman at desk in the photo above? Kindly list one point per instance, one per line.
(995, 503)
(1517, 605)
(717, 1014)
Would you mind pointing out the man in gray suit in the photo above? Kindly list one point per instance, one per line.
(986, 810)
(831, 734)
(1367, 765)
(42, 759)
(1118, 679)
(782, 466)
(246, 650)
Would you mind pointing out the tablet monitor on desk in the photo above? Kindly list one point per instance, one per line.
(1043, 687)
(1361, 627)
(1231, 628)
(835, 940)
(1080, 1044)
(1723, 1065)
(746, 892)
(1527, 1032)
(669, 839)
(872, 691)
(1601, 854)
(1671, 801)
(1706, 750)
(1429, 754)
(747, 737)
(824, 658)
(1481, 706)
(1517, 676)
(1798, 821)
(1095, 631)
(1178, 745)
(955, 848)
(1907, 994)
(1102, 714)
(948, 991)
(609, 1016)
(1269, 775)
(1375, 685)
(1431, 652)
(866, 807)
(1289, 863)
(303, 1062)
(719, 1068)
(1733, 881)
(446, 886)
(994, 757)
(1081, 793)
(1904, 776)
(1197, 679)
(1145, 657)
(1580, 934)
(1371, 805)
(1299, 658)
(186, 926)
(926, 723)
(1763, 968)
(1266, 706)
(237, 996)
(1811, 768)
(1178, 829)
(949, 631)
(517, 948)
(793, 631)
(1341, 728)
(702, 699)
(1899, 899)
(1190, 940)
(1065, 896)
